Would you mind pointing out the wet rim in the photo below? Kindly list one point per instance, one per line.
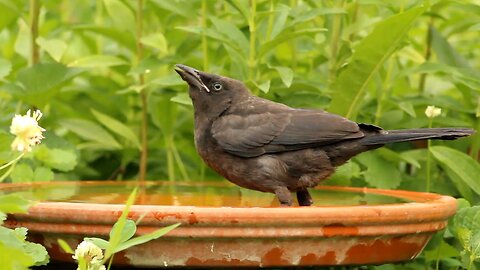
(424, 208)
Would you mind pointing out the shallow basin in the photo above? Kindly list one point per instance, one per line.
(224, 225)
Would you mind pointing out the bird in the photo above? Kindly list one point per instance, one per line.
(266, 146)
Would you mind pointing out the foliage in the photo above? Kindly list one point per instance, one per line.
(102, 74)
(15, 251)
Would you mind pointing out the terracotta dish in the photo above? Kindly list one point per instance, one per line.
(223, 225)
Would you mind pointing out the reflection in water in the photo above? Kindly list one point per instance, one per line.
(194, 194)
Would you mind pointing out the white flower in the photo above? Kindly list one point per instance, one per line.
(432, 111)
(91, 253)
(27, 130)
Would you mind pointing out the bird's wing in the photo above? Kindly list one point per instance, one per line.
(254, 134)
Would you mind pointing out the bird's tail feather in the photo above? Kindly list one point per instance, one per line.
(405, 135)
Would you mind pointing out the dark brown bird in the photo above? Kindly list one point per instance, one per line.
(266, 146)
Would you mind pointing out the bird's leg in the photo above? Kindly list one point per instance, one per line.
(304, 198)
(284, 196)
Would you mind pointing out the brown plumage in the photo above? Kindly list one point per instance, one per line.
(270, 147)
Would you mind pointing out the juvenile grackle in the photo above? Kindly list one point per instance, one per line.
(266, 146)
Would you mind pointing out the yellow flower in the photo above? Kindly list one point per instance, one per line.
(432, 111)
(91, 253)
(27, 131)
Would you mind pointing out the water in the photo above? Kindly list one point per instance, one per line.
(183, 194)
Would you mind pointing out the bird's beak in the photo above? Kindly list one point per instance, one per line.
(191, 76)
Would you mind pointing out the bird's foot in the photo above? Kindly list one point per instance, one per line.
(284, 196)
(304, 198)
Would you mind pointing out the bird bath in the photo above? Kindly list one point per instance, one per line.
(224, 225)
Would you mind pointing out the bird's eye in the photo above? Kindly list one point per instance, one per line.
(217, 86)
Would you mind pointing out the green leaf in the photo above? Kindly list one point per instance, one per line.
(466, 168)
(54, 47)
(90, 131)
(65, 246)
(169, 80)
(5, 68)
(22, 173)
(60, 159)
(265, 86)
(117, 127)
(286, 74)
(283, 37)
(368, 57)
(173, 7)
(242, 7)
(146, 237)
(13, 203)
(128, 230)
(235, 36)
(116, 232)
(99, 242)
(380, 173)
(37, 252)
(445, 52)
(121, 15)
(98, 61)
(39, 82)
(42, 174)
(157, 41)
(182, 98)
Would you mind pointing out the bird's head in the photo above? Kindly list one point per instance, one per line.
(211, 94)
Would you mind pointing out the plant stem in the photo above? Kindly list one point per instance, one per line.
(34, 13)
(384, 90)
(253, 32)
(143, 96)
(12, 164)
(429, 158)
(428, 53)
(271, 16)
(204, 36)
(335, 38)
(170, 157)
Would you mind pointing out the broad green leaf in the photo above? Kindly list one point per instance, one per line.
(119, 37)
(283, 37)
(265, 86)
(14, 258)
(380, 173)
(230, 30)
(468, 218)
(36, 88)
(8, 13)
(117, 127)
(174, 7)
(22, 173)
(121, 15)
(128, 230)
(54, 47)
(157, 41)
(42, 174)
(90, 131)
(146, 237)
(163, 113)
(368, 57)
(182, 98)
(38, 253)
(445, 52)
(242, 7)
(60, 159)
(169, 80)
(13, 203)
(5, 68)
(286, 75)
(466, 168)
(98, 61)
